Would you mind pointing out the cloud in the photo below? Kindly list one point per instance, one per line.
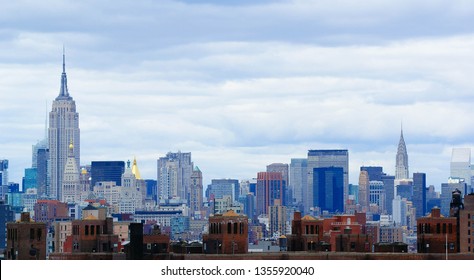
(242, 85)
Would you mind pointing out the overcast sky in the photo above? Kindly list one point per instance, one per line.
(242, 84)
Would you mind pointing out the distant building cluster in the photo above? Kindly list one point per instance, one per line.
(106, 210)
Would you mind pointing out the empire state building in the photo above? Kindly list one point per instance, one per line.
(63, 131)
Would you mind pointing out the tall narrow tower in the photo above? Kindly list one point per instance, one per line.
(401, 166)
(63, 130)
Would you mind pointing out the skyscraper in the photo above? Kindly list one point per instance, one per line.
(461, 164)
(419, 194)
(195, 198)
(270, 186)
(364, 190)
(107, 171)
(401, 165)
(298, 179)
(63, 130)
(326, 158)
(284, 170)
(174, 175)
(328, 189)
(3, 172)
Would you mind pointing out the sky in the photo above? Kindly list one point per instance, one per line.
(242, 84)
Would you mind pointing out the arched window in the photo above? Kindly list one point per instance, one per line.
(92, 230)
(86, 230)
(98, 230)
(235, 228)
(229, 228)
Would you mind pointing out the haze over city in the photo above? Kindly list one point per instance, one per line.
(242, 85)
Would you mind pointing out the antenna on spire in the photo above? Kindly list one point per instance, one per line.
(46, 121)
(64, 60)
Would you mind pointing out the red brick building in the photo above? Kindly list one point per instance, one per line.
(49, 210)
(228, 234)
(307, 234)
(435, 231)
(26, 240)
(466, 225)
(92, 236)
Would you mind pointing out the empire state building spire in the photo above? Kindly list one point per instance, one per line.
(63, 91)
(401, 166)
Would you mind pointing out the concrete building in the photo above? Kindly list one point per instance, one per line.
(364, 190)
(195, 195)
(63, 130)
(283, 168)
(278, 219)
(48, 211)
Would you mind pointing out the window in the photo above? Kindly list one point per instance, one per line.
(450, 228)
(38, 234)
(86, 230)
(444, 228)
(235, 228)
(438, 228)
(98, 230)
(229, 228)
(92, 230)
(32, 233)
(451, 246)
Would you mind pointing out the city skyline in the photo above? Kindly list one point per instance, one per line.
(243, 89)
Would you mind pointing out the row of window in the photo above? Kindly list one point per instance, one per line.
(426, 228)
(232, 228)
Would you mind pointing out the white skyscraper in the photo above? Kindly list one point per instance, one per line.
(461, 164)
(63, 130)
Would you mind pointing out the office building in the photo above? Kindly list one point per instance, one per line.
(461, 164)
(270, 186)
(174, 175)
(298, 180)
(63, 130)
(389, 187)
(106, 171)
(364, 190)
(327, 158)
(222, 187)
(377, 195)
(3, 172)
(419, 194)
(283, 168)
(195, 198)
(42, 174)
(6, 215)
(328, 189)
